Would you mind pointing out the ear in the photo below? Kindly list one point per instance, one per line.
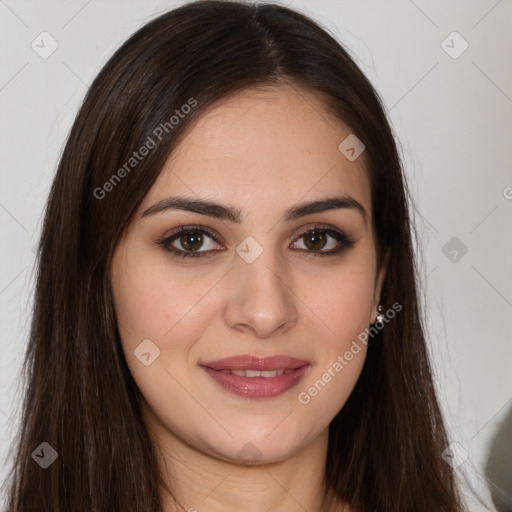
(379, 281)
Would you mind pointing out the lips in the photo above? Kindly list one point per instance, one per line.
(254, 377)
(247, 362)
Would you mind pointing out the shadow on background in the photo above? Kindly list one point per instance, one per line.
(498, 468)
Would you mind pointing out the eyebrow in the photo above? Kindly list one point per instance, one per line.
(230, 213)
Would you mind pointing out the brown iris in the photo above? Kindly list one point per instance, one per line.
(315, 240)
(192, 241)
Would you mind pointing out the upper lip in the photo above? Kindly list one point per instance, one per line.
(248, 362)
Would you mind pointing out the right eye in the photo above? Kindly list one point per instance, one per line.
(189, 241)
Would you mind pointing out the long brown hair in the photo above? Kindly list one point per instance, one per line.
(385, 445)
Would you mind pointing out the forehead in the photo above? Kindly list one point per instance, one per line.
(264, 147)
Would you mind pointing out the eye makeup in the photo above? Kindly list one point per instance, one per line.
(313, 235)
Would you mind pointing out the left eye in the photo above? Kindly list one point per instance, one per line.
(316, 240)
(199, 242)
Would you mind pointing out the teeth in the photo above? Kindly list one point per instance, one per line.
(256, 373)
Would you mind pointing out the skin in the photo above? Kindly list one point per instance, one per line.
(262, 151)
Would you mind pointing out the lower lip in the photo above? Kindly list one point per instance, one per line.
(257, 387)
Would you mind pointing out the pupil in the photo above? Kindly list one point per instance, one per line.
(192, 241)
(315, 240)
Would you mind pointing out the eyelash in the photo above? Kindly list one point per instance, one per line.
(344, 242)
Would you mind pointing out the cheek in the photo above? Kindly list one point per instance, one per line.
(343, 307)
(172, 311)
(151, 301)
(342, 300)
(340, 358)
(345, 304)
(328, 389)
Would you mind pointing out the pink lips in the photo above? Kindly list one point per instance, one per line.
(280, 373)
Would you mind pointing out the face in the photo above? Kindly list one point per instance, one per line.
(284, 289)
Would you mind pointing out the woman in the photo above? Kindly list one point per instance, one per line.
(226, 314)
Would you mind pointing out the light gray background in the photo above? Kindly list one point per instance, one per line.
(452, 117)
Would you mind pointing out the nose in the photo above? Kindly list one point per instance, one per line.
(261, 299)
